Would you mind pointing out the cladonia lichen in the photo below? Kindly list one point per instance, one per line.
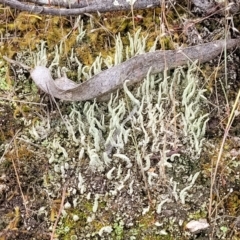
(130, 141)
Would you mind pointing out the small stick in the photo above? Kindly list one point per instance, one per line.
(17, 63)
(59, 212)
(16, 173)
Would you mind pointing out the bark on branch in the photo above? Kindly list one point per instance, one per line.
(76, 7)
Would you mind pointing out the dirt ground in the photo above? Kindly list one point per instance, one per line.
(118, 169)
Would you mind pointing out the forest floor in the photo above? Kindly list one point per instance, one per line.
(104, 170)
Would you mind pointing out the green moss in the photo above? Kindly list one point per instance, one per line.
(5, 83)
(200, 213)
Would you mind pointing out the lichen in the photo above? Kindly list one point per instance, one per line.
(128, 163)
(112, 141)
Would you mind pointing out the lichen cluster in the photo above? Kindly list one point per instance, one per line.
(136, 166)
(109, 153)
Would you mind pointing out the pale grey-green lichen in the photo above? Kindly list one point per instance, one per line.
(162, 118)
(183, 192)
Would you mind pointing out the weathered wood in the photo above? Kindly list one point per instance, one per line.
(76, 7)
(134, 70)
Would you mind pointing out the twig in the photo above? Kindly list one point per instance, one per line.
(214, 174)
(77, 9)
(59, 212)
(16, 173)
(17, 63)
(21, 101)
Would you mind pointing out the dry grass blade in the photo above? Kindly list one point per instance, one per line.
(59, 212)
(214, 174)
(17, 176)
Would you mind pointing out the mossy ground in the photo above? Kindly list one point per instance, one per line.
(22, 106)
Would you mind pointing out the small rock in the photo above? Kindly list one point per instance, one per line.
(194, 226)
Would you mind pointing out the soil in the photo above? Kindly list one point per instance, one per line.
(48, 146)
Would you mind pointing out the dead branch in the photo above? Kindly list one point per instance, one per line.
(63, 8)
(132, 70)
